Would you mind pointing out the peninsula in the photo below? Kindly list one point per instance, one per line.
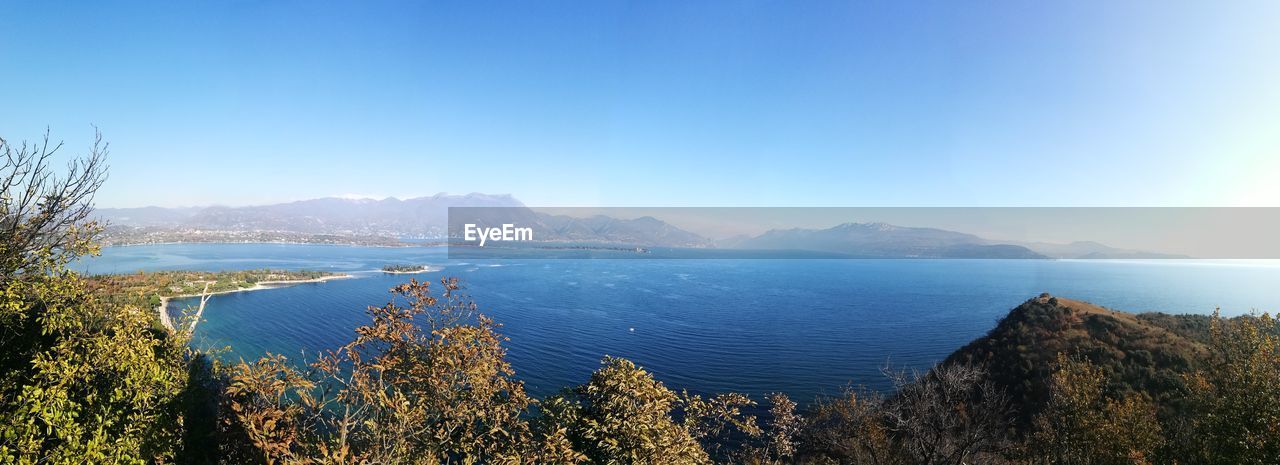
(156, 289)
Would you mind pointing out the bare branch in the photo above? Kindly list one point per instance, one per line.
(45, 217)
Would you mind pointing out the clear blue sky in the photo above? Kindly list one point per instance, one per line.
(654, 103)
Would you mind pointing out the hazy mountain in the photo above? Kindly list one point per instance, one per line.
(387, 218)
(886, 241)
(1091, 250)
(645, 230)
(146, 216)
(733, 242)
(422, 216)
(375, 221)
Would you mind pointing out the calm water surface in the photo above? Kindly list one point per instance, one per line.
(804, 327)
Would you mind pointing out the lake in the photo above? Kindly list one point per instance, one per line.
(804, 327)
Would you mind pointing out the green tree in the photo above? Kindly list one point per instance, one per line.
(624, 416)
(1082, 425)
(425, 382)
(1236, 398)
(81, 380)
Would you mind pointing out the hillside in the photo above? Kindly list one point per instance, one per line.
(1138, 352)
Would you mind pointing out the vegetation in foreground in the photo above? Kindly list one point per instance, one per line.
(86, 378)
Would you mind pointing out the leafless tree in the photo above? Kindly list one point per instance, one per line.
(949, 415)
(45, 216)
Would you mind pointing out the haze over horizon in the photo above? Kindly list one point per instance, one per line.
(1198, 232)
(743, 104)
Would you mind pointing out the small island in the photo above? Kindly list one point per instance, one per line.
(406, 269)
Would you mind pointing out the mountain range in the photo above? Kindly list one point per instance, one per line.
(392, 217)
(377, 221)
(881, 240)
(389, 221)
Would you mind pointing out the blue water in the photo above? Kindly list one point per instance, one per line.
(804, 327)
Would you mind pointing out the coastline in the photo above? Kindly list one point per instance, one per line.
(388, 246)
(162, 309)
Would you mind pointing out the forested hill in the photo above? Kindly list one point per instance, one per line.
(1148, 352)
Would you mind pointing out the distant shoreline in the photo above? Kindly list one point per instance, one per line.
(163, 308)
(401, 245)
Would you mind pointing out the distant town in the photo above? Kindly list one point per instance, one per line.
(123, 236)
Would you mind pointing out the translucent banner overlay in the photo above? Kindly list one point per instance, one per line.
(863, 232)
